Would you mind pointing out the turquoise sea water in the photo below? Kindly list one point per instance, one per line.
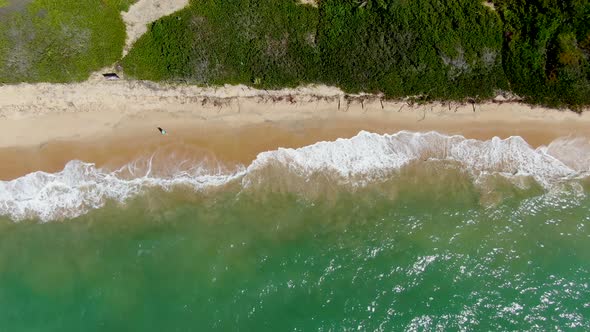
(425, 247)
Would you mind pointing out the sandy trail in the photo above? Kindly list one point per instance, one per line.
(146, 11)
(313, 3)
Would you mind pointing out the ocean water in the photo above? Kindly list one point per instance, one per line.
(410, 231)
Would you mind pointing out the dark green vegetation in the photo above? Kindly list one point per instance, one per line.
(547, 49)
(267, 43)
(421, 47)
(435, 49)
(59, 40)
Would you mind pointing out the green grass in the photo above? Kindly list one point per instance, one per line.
(3, 3)
(60, 40)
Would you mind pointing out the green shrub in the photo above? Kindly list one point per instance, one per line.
(268, 43)
(546, 50)
(425, 47)
(435, 48)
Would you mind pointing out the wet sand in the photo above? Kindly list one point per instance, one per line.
(236, 130)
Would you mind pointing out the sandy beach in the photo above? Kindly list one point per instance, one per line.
(112, 123)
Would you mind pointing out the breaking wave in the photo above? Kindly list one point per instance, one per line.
(358, 161)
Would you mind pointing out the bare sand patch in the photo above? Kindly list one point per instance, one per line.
(313, 3)
(489, 4)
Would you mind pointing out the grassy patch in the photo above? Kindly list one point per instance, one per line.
(268, 43)
(60, 40)
(3, 3)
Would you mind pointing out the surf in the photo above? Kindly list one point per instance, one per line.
(352, 163)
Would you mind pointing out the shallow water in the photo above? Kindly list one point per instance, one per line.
(430, 245)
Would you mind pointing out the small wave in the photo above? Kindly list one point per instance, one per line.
(357, 161)
(374, 156)
(81, 187)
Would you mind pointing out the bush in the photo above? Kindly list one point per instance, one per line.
(426, 47)
(269, 43)
(546, 50)
(435, 48)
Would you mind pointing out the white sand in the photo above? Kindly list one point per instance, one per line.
(31, 114)
(313, 3)
(489, 4)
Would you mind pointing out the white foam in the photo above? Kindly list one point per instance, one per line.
(366, 157)
(374, 156)
(572, 151)
(81, 187)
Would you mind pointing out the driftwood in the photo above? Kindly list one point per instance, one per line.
(347, 103)
(472, 102)
(290, 99)
(423, 115)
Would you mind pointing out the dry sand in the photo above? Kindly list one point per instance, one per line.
(313, 3)
(111, 123)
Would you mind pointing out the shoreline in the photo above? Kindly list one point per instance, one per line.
(113, 123)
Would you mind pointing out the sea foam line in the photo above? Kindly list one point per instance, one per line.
(360, 160)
